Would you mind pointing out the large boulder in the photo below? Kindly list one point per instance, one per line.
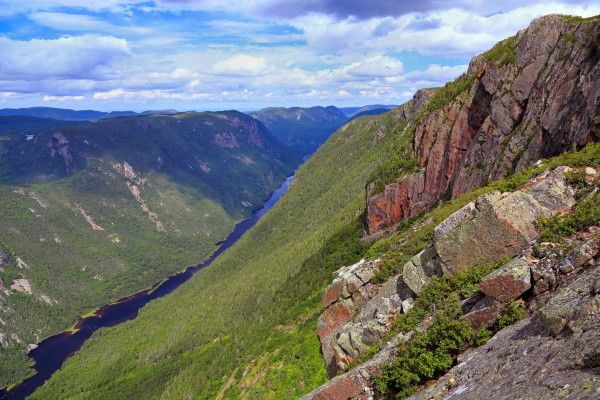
(499, 225)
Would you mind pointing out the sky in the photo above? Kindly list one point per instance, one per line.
(246, 54)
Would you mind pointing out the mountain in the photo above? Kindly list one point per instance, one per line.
(373, 111)
(63, 114)
(93, 212)
(461, 231)
(25, 125)
(352, 112)
(305, 129)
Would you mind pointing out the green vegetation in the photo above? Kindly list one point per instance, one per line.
(257, 301)
(503, 53)
(73, 268)
(429, 354)
(446, 94)
(586, 214)
(305, 129)
(569, 37)
(574, 19)
(513, 312)
(400, 163)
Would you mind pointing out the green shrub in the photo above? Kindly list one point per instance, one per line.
(586, 214)
(513, 312)
(503, 53)
(446, 94)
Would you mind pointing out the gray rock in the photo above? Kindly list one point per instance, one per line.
(498, 225)
(419, 270)
(575, 306)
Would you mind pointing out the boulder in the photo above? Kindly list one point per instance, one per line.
(508, 282)
(499, 225)
(485, 313)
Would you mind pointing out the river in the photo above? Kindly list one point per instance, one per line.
(52, 352)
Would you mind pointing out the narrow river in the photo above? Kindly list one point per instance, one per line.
(52, 352)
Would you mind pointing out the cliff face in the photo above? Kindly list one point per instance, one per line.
(532, 96)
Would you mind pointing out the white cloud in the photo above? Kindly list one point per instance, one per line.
(72, 57)
(60, 98)
(241, 64)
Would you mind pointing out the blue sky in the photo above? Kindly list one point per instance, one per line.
(245, 54)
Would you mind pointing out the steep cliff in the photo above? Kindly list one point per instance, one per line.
(533, 95)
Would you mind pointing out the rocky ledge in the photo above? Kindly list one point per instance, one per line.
(545, 277)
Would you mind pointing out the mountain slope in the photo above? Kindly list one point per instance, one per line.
(245, 327)
(305, 129)
(533, 95)
(94, 212)
(352, 112)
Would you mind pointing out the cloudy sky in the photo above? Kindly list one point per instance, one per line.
(245, 54)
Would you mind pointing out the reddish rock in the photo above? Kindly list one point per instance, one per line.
(346, 388)
(508, 282)
(484, 314)
(332, 318)
(503, 122)
(332, 293)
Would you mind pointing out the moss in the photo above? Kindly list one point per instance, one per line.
(569, 37)
(503, 53)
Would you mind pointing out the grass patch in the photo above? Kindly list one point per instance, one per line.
(574, 19)
(586, 214)
(446, 94)
(503, 53)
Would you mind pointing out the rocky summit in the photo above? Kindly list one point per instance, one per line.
(533, 95)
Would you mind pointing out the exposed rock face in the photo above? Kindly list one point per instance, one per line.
(494, 226)
(543, 103)
(498, 225)
(4, 259)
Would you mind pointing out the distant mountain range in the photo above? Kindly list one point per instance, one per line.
(372, 109)
(74, 115)
(305, 129)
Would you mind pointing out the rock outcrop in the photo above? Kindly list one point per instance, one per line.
(534, 95)
(570, 307)
(537, 362)
(493, 227)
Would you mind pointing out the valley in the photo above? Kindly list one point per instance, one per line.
(433, 235)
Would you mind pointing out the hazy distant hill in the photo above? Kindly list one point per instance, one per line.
(351, 112)
(305, 129)
(63, 114)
